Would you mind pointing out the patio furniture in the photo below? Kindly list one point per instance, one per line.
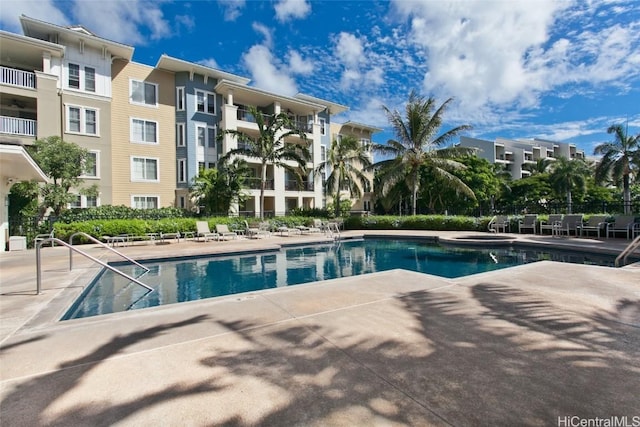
(569, 224)
(223, 231)
(114, 240)
(202, 230)
(529, 222)
(595, 223)
(499, 223)
(548, 225)
(41, 237)
(622, 224)
(256, 232)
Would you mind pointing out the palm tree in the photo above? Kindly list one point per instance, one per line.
(270, 146)
(417, 145)
(346, 160)
(567, 174)
(541, 165)
(216, 189)
(620, 161)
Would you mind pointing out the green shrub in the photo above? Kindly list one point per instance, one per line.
(118, 212)
(417, 222)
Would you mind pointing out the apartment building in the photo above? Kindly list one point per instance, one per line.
(363, 133)
(514, 154)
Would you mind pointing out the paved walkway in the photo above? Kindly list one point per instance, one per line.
(527, 345)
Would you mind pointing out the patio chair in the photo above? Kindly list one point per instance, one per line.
(595, 223)
(499, 223)
(255, 232)
(548, 225)
(569, 223)
(202, 230)
(41, 237)
(529, 222)
(622, 224)
(316, 227)
(223, 231)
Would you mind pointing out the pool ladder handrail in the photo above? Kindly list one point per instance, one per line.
(635, 244)
(93, 239)
(333, 230)
(86, 255)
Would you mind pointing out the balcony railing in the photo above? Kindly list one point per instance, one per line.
(14, 77)
(16, 126)
(246, 116)
(294, 186)
(254, 184)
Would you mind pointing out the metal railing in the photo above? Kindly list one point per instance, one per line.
(17, 126)
(93, 239)
(86, 255)
(635, 244)
(15, 77)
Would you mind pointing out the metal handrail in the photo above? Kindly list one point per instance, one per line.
(93, 239)
(73, 248)
(635, 244)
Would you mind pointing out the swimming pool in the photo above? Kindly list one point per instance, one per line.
(194, 278)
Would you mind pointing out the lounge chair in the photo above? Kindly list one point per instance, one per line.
(548, 225)
(499, 223)
(622, 224)
(316, 227)
(41, 237)
(223, 231)
(569, 223)
(202, 230)
(529, 222)
(595, 223)
(254, 233)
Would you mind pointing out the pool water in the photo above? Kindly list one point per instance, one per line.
(189, 279)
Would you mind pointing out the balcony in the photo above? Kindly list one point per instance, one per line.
(18, 78)
(293, 185)
(254, 184)
(16, 126)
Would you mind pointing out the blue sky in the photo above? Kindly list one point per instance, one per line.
(559, 70)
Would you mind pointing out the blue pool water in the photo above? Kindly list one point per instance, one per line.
(191, 279)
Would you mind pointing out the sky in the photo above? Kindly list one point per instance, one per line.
(558, 70)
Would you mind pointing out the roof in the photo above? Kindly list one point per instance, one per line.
(176, 65)
(334, 108)
(361, 126)
(266, 97)
(16, 164)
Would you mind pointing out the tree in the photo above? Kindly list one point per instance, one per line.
(540, 166)
(417, 145)
(270, 146)
(346, 159)
(63, 162)
(216, 189)
(620, 161)
(567, 174)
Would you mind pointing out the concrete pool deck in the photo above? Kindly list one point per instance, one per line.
(528, 345)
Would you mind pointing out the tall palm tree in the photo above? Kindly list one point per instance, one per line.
(346, 159)
(417, 145)
(567, 174)
(620, 161)
(216, 189)
(541, 165)
(270, 146)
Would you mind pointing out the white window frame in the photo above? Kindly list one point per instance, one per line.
(323, 126)
(181, 136)
(182, 170)
(207, 142)
(85, 80)
(82, 202)
(69, 65)
(211, 142)
(146, 197)
(180, 98)
(144, 127)
(83, 120)
(207, 96)
(135, 179)
(144, 103)
(96, 154)
(323, 153)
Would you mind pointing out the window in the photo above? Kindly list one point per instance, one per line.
(93, 171)
(144, 93)
(77, 202)
(92, 201)
(145, 131)
(180, 136)
(367, 205)
(74, 76)
(82, 120)
(144, 169)
(205, 102)
(200, 166)
(144, 202)
(89, 79)
(323, 129)
(180, 98)
(323, 153)
(182, 202)
(211, 133)
(200, 135)
(81, 201)
(182, 170)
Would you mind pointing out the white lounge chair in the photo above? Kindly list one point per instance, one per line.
(223, 231)
(499, 223)
(254, 233)
(202, 230)
(529, 222)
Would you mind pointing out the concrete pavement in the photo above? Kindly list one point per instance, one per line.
(522, 346)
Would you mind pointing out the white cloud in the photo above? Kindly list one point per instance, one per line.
(374, 76)
(297, 9)
(123, 20)
(265, 31)
(370, 112)
(44, 10)
(299, 65)
(267, 73)
(349, 49)
(209, 62)
(232, 8)
(349, 78)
